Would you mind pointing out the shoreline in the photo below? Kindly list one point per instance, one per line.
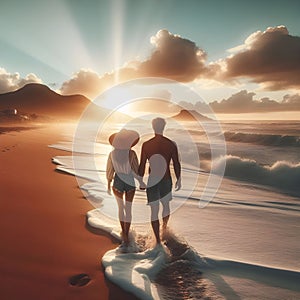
(45, 239)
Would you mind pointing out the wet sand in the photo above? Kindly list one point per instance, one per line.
(44, 237)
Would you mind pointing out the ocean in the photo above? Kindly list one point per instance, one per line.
(234, 227)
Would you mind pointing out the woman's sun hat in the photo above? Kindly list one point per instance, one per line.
(124, 139)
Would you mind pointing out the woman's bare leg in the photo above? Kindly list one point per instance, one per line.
(128, 216)
(121, 213)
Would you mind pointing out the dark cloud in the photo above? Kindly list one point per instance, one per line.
(271, 57)
(174, 57)
(291, 102)
(244, 102)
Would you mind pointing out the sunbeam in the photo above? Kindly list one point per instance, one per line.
(117, 25)
(59, 45)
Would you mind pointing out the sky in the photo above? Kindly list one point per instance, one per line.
(226, 48)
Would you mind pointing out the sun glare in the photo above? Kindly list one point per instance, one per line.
(116, 98)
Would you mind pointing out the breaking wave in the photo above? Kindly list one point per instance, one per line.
(282, 175)
(263, 139)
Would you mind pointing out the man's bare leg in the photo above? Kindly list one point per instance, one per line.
(155, 220)
(166, 215)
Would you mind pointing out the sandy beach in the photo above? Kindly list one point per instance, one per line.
(44, 237)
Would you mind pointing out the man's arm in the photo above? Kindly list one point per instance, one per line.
(142, 162)
(177, 168)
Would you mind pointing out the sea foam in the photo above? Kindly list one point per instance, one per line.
(135, 272)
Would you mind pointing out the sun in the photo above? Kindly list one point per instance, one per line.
(117, 98)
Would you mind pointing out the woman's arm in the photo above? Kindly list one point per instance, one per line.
(109, 173)
(134, 163)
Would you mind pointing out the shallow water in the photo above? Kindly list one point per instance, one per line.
(243, 243)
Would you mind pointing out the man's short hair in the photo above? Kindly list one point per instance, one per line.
(158, 125)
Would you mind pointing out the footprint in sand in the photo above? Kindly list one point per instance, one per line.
(79, 279)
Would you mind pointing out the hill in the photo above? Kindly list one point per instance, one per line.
(190, 115)
(37, 102)
(40, 100)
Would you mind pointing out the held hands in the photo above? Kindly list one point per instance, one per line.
(178, 185)
(142, 185)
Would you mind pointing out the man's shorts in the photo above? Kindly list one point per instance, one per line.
(123, 183)
(160, 191)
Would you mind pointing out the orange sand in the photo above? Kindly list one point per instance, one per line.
(44, 238)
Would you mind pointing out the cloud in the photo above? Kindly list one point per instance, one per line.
(11, 82)
(199, 106)
(174, 57)
(90, 84)
(244, 102)
(292, 101)
(84, 82)
(271, 58)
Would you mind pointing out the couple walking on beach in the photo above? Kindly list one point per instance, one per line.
(123, 167)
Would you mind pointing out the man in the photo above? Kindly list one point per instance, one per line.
(159, 151)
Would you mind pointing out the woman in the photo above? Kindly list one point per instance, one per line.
(122, 168)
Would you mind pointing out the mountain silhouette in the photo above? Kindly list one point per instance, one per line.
(190, 115)
(39, 99)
